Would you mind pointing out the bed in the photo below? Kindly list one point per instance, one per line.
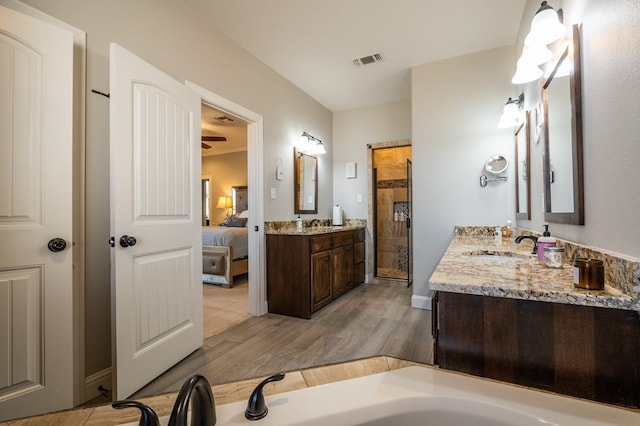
(225, 251)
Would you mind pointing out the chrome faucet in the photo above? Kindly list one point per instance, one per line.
(203, 410)
(530, 237)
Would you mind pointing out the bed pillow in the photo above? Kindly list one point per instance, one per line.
(244, 214)
(236, 222)
(226, 220)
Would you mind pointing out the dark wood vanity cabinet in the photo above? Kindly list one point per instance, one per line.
(307, 271)
(583, 351)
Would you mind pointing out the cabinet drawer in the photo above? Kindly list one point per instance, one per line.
(358, 235)
(320, 243)
(342, 239)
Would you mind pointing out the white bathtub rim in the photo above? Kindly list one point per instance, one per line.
(355, 401)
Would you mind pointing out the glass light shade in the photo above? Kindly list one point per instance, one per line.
(319, 149)
(545, 27)
(510, 115)
(506, 122)
(537, 55)
(224, 202)
(526, 72)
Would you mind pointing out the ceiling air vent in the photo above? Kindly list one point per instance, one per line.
(366, 60)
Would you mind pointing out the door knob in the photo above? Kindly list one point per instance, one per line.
(57, 244)
(127, 241)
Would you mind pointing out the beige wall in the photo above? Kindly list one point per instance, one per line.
(226, 170)
(167, 34)
(454, 108)
(456, 104)
(610, 101)
(353, 130)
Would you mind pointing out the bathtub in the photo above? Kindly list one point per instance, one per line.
(425, 396)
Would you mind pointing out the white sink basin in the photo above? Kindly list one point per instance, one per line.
(498, 255)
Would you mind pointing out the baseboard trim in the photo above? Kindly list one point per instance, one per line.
(93, 382)
(421, 302)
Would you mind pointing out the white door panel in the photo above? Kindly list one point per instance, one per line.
(36, 284)
(155, 198)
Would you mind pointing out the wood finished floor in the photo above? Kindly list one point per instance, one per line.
(370, 320)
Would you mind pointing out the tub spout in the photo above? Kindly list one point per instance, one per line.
(203, 410)
(530, 237)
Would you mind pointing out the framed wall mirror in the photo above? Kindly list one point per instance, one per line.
(563, 166)
(522, 170)
(305, 190)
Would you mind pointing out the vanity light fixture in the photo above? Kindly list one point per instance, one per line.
(546, 28)
(310, 144)
(511, 113)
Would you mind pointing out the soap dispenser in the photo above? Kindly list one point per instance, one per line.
(299, 223)
(545, 241)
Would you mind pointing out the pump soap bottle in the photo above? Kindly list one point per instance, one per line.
(545, 241)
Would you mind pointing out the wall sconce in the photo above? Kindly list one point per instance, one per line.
(224, 202)
(310, 144)
(511, 113)
(546, 27)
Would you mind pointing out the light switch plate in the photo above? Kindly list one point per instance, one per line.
(351, 170)
(273, 193)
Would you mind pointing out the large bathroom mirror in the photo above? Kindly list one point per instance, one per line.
(522, 170)
(563, 168)
(305, 172)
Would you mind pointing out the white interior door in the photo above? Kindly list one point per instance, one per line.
(155, 198)
(36, 283)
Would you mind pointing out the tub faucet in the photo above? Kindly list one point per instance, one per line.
(203, 410)
(256, 408)
(148, 417)
(530, 237)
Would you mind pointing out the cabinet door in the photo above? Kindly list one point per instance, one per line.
(321, 293)
(342, 262)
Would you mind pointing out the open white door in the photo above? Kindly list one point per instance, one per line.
(155, 221)
(36, 282)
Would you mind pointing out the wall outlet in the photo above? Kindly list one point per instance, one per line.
(359, 198)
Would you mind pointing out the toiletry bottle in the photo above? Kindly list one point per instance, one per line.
(299, 223)
(545, 241)
(497, 234)
(506, 230)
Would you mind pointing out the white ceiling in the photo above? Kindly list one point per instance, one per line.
(232, 128)
(313, 43)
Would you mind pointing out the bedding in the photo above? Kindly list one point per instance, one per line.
(225, 236)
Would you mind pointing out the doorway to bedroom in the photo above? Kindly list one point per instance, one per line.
(225, 195)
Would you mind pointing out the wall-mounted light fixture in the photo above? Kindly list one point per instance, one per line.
(546, 28)
(224, 202)
(511, 113)
(310, 144)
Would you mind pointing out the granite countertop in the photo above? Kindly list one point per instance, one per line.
(314, 230)
(521, 278)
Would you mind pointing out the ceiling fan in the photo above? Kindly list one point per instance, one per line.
(211, 139)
